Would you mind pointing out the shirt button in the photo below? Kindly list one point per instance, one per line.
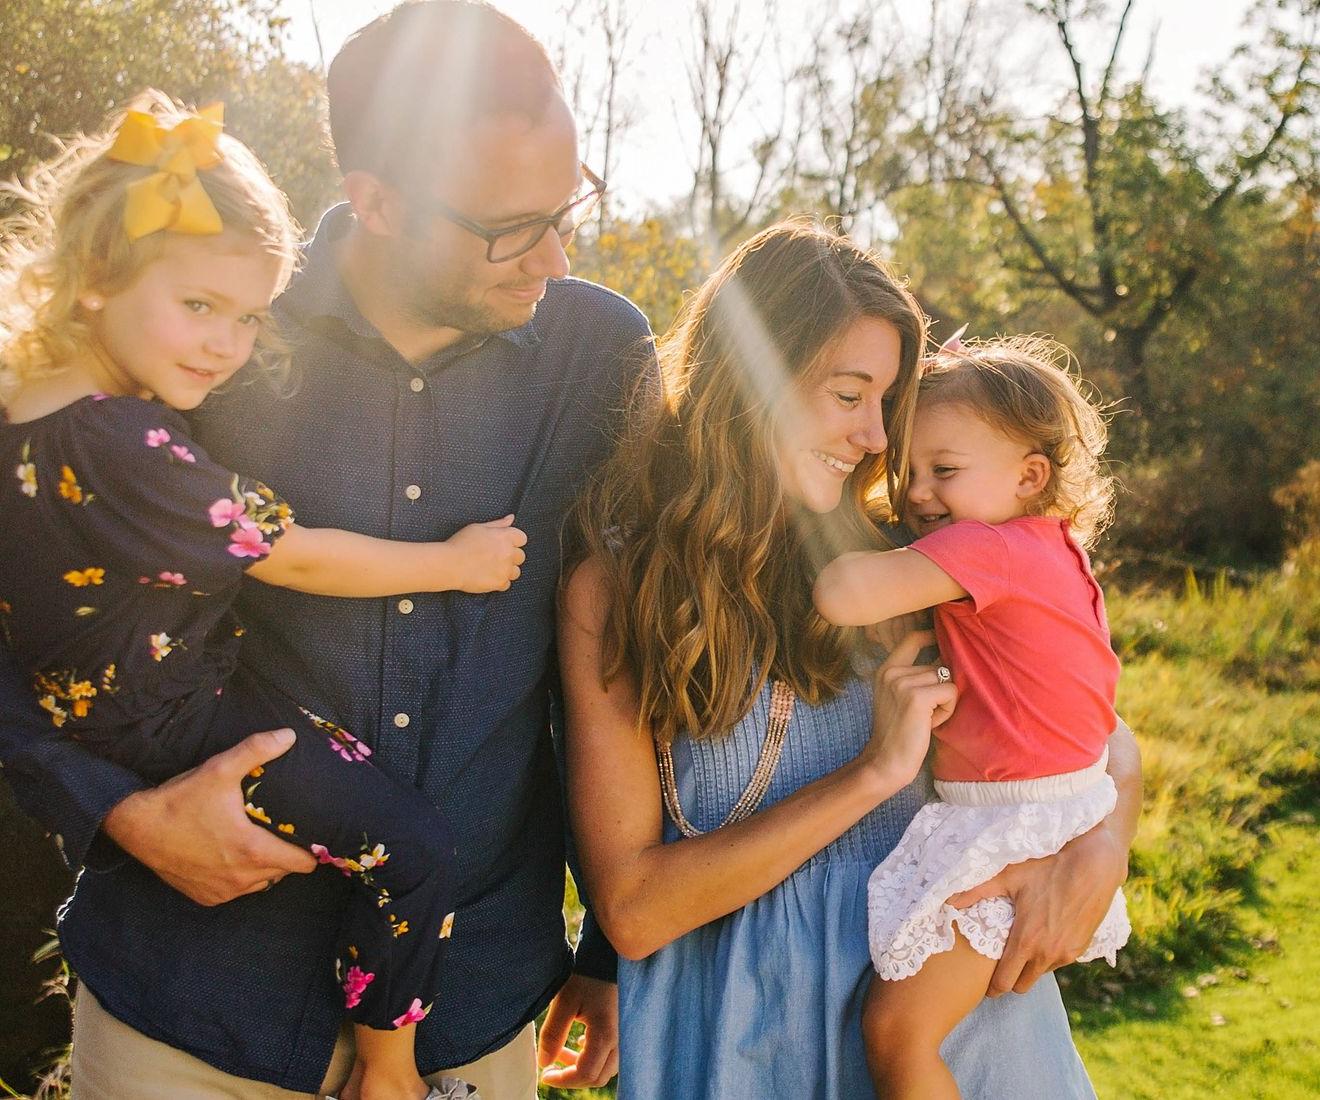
(417, 385)
(401, 720)
(413, 492)
(405, 607)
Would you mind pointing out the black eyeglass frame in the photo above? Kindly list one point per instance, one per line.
(492, 237)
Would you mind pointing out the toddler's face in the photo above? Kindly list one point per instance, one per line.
(965, 469)
(187, 322)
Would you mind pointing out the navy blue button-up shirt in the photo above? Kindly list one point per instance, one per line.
(453, 691)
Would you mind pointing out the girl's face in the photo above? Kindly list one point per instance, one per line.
(962, 468)
(187, 322)
(836, 419)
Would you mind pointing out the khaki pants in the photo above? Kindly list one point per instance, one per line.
(112, 1061)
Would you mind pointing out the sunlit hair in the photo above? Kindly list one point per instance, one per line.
(68, 238)
(1028, 388)
(404, 90)
(708, 565)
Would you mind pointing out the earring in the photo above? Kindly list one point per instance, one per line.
(92, 302)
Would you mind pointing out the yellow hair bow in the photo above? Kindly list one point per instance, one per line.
(172, 197)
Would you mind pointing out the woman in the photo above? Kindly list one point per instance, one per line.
(700, 686)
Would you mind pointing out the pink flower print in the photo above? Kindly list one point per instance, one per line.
(246, 542)
(322, 854)
(224, 512)
(182, 453)
(178, 580)
(157, 437)
(415, 1014)
(355, 982)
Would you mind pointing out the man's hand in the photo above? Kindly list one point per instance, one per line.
(1059, 901)
(596, 1004)
(193, 833)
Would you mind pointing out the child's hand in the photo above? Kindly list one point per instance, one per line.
(490, 555)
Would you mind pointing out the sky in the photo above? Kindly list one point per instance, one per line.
(1192, 36)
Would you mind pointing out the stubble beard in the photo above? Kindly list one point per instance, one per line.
(447, 306)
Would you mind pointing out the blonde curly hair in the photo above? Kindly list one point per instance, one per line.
(68, 237)
(1028, 387)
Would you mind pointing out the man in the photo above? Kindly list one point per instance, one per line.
(445, 371)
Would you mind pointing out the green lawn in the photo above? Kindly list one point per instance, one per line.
(1244, 1030)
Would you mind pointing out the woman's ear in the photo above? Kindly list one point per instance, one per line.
(1034, 476)
(376, 204)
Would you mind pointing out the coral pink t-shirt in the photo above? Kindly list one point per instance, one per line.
(1029, 651)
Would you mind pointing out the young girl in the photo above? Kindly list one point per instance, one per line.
(1004, 488)
(138, 281)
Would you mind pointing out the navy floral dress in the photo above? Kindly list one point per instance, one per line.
(122, 547)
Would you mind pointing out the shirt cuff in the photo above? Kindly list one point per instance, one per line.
(595, 957)
(73, 805)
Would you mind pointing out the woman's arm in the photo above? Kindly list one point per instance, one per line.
(482, 557)
(869, 586)
(646, 893)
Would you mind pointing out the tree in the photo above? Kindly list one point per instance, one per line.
(1118, 203)
(721, 70)
(66, 64)
(604, 112)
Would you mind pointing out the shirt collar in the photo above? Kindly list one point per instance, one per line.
(317, 291)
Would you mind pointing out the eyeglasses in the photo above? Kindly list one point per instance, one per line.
(516, 240)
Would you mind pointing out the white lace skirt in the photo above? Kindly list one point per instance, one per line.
(973, 833)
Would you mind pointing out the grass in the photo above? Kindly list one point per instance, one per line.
(1244, 1030)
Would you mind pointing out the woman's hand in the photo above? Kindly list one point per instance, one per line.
(1060, 900)
(910, 701)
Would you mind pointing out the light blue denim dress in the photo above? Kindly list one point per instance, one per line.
(766, 1002)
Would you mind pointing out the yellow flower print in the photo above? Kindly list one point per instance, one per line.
(70, 490)
(257, 772)
(64, 696)
(6, 607)
(446, 927)
(367, 860)
(162, 645)
(400, 927)
(81, 578)
(285, 827)
(257, 813)
(58, 714)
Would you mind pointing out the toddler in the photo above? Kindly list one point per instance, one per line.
(1004, 489)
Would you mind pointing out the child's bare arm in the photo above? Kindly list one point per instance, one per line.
(868, 586)
(482, 557)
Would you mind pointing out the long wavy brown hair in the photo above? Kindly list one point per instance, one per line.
(708, 566)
